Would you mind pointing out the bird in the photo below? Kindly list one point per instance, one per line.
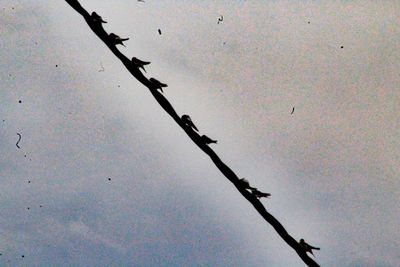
(188, 122)
(97, 18)
(306, 247)
(207, 140)
(116, 40)
(139, 63)
(292, 111)
(221, 18)
(157, 84)
(159, 31)
(259, 194)
(245, 183)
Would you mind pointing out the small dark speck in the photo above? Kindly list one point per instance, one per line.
(56, 66)
(109, 179)
(12, 8)
(20, 101)
(341, 47)
(159, 31)
(40, 206)
(9, 75)
(24, 156)
(28, 208)
(308, 22)
(119, 86)
(22, 256)
(29, 181)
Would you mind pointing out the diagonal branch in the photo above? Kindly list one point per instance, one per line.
(165, 104)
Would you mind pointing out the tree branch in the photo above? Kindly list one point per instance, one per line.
(164, 103)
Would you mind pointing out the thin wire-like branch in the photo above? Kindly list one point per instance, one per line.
(165, 104)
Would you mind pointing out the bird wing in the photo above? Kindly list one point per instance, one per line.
(141, 61)
(193, 126)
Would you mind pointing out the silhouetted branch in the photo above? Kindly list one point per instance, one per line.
(196, 138)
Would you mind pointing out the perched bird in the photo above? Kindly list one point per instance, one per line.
(220, 19)
(207, 140)
(139, 63)
(157, 84)
(188, 122)
(307, 247)
(292, 111)
(259, 194)
(116, 40)
(246, 184)
(97, 18)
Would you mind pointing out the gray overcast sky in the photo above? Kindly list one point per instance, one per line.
(332, 167)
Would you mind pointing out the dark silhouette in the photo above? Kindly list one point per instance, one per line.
(159, 31)
(116, 40)
(292, 111)
(139, 63)
(166, 105)
(157, 84)
(306, 247)
(259, 194)
(188, 122)
(207, 140)
(245, 184)
(97, 18)
(19, 139)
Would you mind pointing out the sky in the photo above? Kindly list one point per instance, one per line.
(104, 177)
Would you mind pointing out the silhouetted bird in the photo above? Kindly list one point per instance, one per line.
(157, 84)
(259, 194)
(188, 122)
(159, 31)
(246, 184)
(97, 18)
(116, 40)
(307, 247)
(207, 140)
(292, 111)
(220, 19)
(139, 63)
